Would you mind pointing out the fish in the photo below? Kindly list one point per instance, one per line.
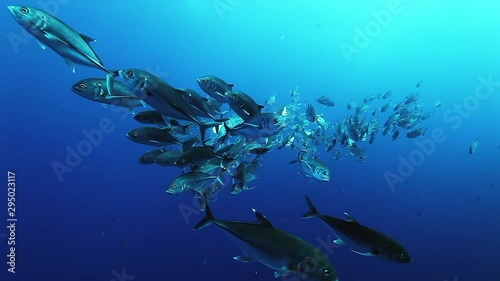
(271, 100)
(150, 117)
(161, 96)
(313, 168)
(152, 136)
(242, 104)
(149, 157)
(387, 95)
(51, 32)
(214, 87)
(168, 158)
(395, 134)
(385, 107)
(438, 103)
(199, 155)
(282, 251)
(260, 125)
(191, 181)
(416, 132)
(371, 242)
(199, 103)
(310, 113)
(94, 89)
(473, 146)
(325, 101)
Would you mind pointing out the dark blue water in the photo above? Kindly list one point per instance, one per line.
(108, 217)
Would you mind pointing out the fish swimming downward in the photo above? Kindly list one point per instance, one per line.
(372, 242)
(51, 32)
(286, 253)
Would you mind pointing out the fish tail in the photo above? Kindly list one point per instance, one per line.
(110, 79)
(312, 209)
(209, 217)
(204, 127)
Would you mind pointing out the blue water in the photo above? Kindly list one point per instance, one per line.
(109, 218)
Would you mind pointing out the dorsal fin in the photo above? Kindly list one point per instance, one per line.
(350, 218)
(262, 219)
(87, 38)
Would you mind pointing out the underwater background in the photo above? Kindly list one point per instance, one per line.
(110, 215)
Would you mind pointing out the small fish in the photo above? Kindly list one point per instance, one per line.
(387, 95)
(351, 104)
(191, 181)
(416, 132)
(310, 113)
(150, 117)
(271, 100)
(214, 87)
(473, 146)
(313, 168)
(168, 158)
(438, 103)
(419, 83)
(242, 104)
(149, 157)
(325, 101)
(258, 126)
(372, 242)
(152, 136)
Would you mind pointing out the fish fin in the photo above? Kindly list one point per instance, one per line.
(42, 45)
(293, 161)
(312, 209)
(131, 110)
(243, 259)
(209, 217)
(262, 219)
(350, 218)
(339, 241)
(231, 86)
(368, 254)
(110, 79)
(143, 103)
(71, 65)
(203, 129)
(87, 38)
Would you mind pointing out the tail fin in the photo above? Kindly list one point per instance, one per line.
(312, 209)
(110, 79)
(204, 127)
(209, 217)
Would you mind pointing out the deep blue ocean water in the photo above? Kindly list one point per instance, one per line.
(110, 218)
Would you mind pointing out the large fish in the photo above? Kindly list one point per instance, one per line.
(260, 125)
(372, 242)
(214, 87)
(161, 96)
(94, 89)
(51, 32)
(286, 253)
(242, 104)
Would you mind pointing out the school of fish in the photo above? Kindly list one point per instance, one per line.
(226, 132)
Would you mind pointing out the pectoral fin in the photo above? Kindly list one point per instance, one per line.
(41, 45)
(71, 65)
(339, 241)
(368, 254)
(243, 259)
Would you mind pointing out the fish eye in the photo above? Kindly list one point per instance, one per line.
(174, 186)
(275, 121)
(324, 173)
(136, 134)
(24, 10)
(205, 80)
(128, 73)
(326, 272)
(233, 96)
(82, 85)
